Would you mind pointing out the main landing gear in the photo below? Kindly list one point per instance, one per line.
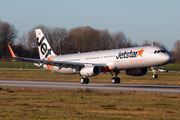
(84, 80)
(154, 72)
(116, 79)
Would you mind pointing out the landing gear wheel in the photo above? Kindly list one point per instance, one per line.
(155, 76)
(115, 80)
(82, 80)
(86, 80)
(118, 80)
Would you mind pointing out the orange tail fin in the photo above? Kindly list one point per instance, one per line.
(12, 53)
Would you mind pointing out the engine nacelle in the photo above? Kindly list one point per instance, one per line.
(137, 72)
(90, 71)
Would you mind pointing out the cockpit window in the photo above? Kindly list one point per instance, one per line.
(159, 51)
(163, 51)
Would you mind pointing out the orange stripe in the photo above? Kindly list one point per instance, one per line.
(12, 54)
(106, 69)
(50, 66)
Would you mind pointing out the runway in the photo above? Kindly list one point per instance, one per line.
(94, 86)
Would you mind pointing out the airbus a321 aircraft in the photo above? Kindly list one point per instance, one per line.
(134, 60)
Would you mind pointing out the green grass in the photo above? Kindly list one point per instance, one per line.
(33, 103)
(29, 103)
(170, 67)
(44, 75)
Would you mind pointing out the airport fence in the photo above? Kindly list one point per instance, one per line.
(17, 65)
(25, 65)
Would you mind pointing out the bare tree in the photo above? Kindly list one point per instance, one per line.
(8, 34)
(104, 40)
(58, 36)
(118, 40)
(32, 42)
(146, 43)
(176, 46)
(176, 53)
(82, 39)
(90, 37)
(22, 40)
(130, 44)
(31, 36)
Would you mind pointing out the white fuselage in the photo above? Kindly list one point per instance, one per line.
(117, 59)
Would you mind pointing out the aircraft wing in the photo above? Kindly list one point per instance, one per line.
(54, 63)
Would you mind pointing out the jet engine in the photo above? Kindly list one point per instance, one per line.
(137, 72)
(90, 71)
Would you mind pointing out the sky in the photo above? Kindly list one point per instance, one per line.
(140, 20)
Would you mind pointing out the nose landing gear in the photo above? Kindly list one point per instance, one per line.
(154, 72)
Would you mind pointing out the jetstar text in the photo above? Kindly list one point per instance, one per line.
(126, 54)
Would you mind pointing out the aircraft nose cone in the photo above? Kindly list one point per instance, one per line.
(166, 58)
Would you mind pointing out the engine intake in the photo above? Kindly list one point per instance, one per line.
(90, 71)
(137, 72)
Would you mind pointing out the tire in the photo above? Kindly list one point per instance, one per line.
(86, 80)
(118, 80)
(155, 76)
(113, 80)
(82, 80)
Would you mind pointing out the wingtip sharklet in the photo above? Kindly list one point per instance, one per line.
(11, 51)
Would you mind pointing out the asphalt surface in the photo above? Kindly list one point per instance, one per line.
(94, 86)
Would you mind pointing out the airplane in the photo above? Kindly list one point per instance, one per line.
(134, 60)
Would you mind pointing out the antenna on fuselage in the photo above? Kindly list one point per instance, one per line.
(151, 44)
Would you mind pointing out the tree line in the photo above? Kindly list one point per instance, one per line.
(64, 41)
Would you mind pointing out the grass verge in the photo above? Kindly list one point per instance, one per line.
(28, 103)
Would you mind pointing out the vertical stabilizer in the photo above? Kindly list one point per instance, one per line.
(44, 48)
